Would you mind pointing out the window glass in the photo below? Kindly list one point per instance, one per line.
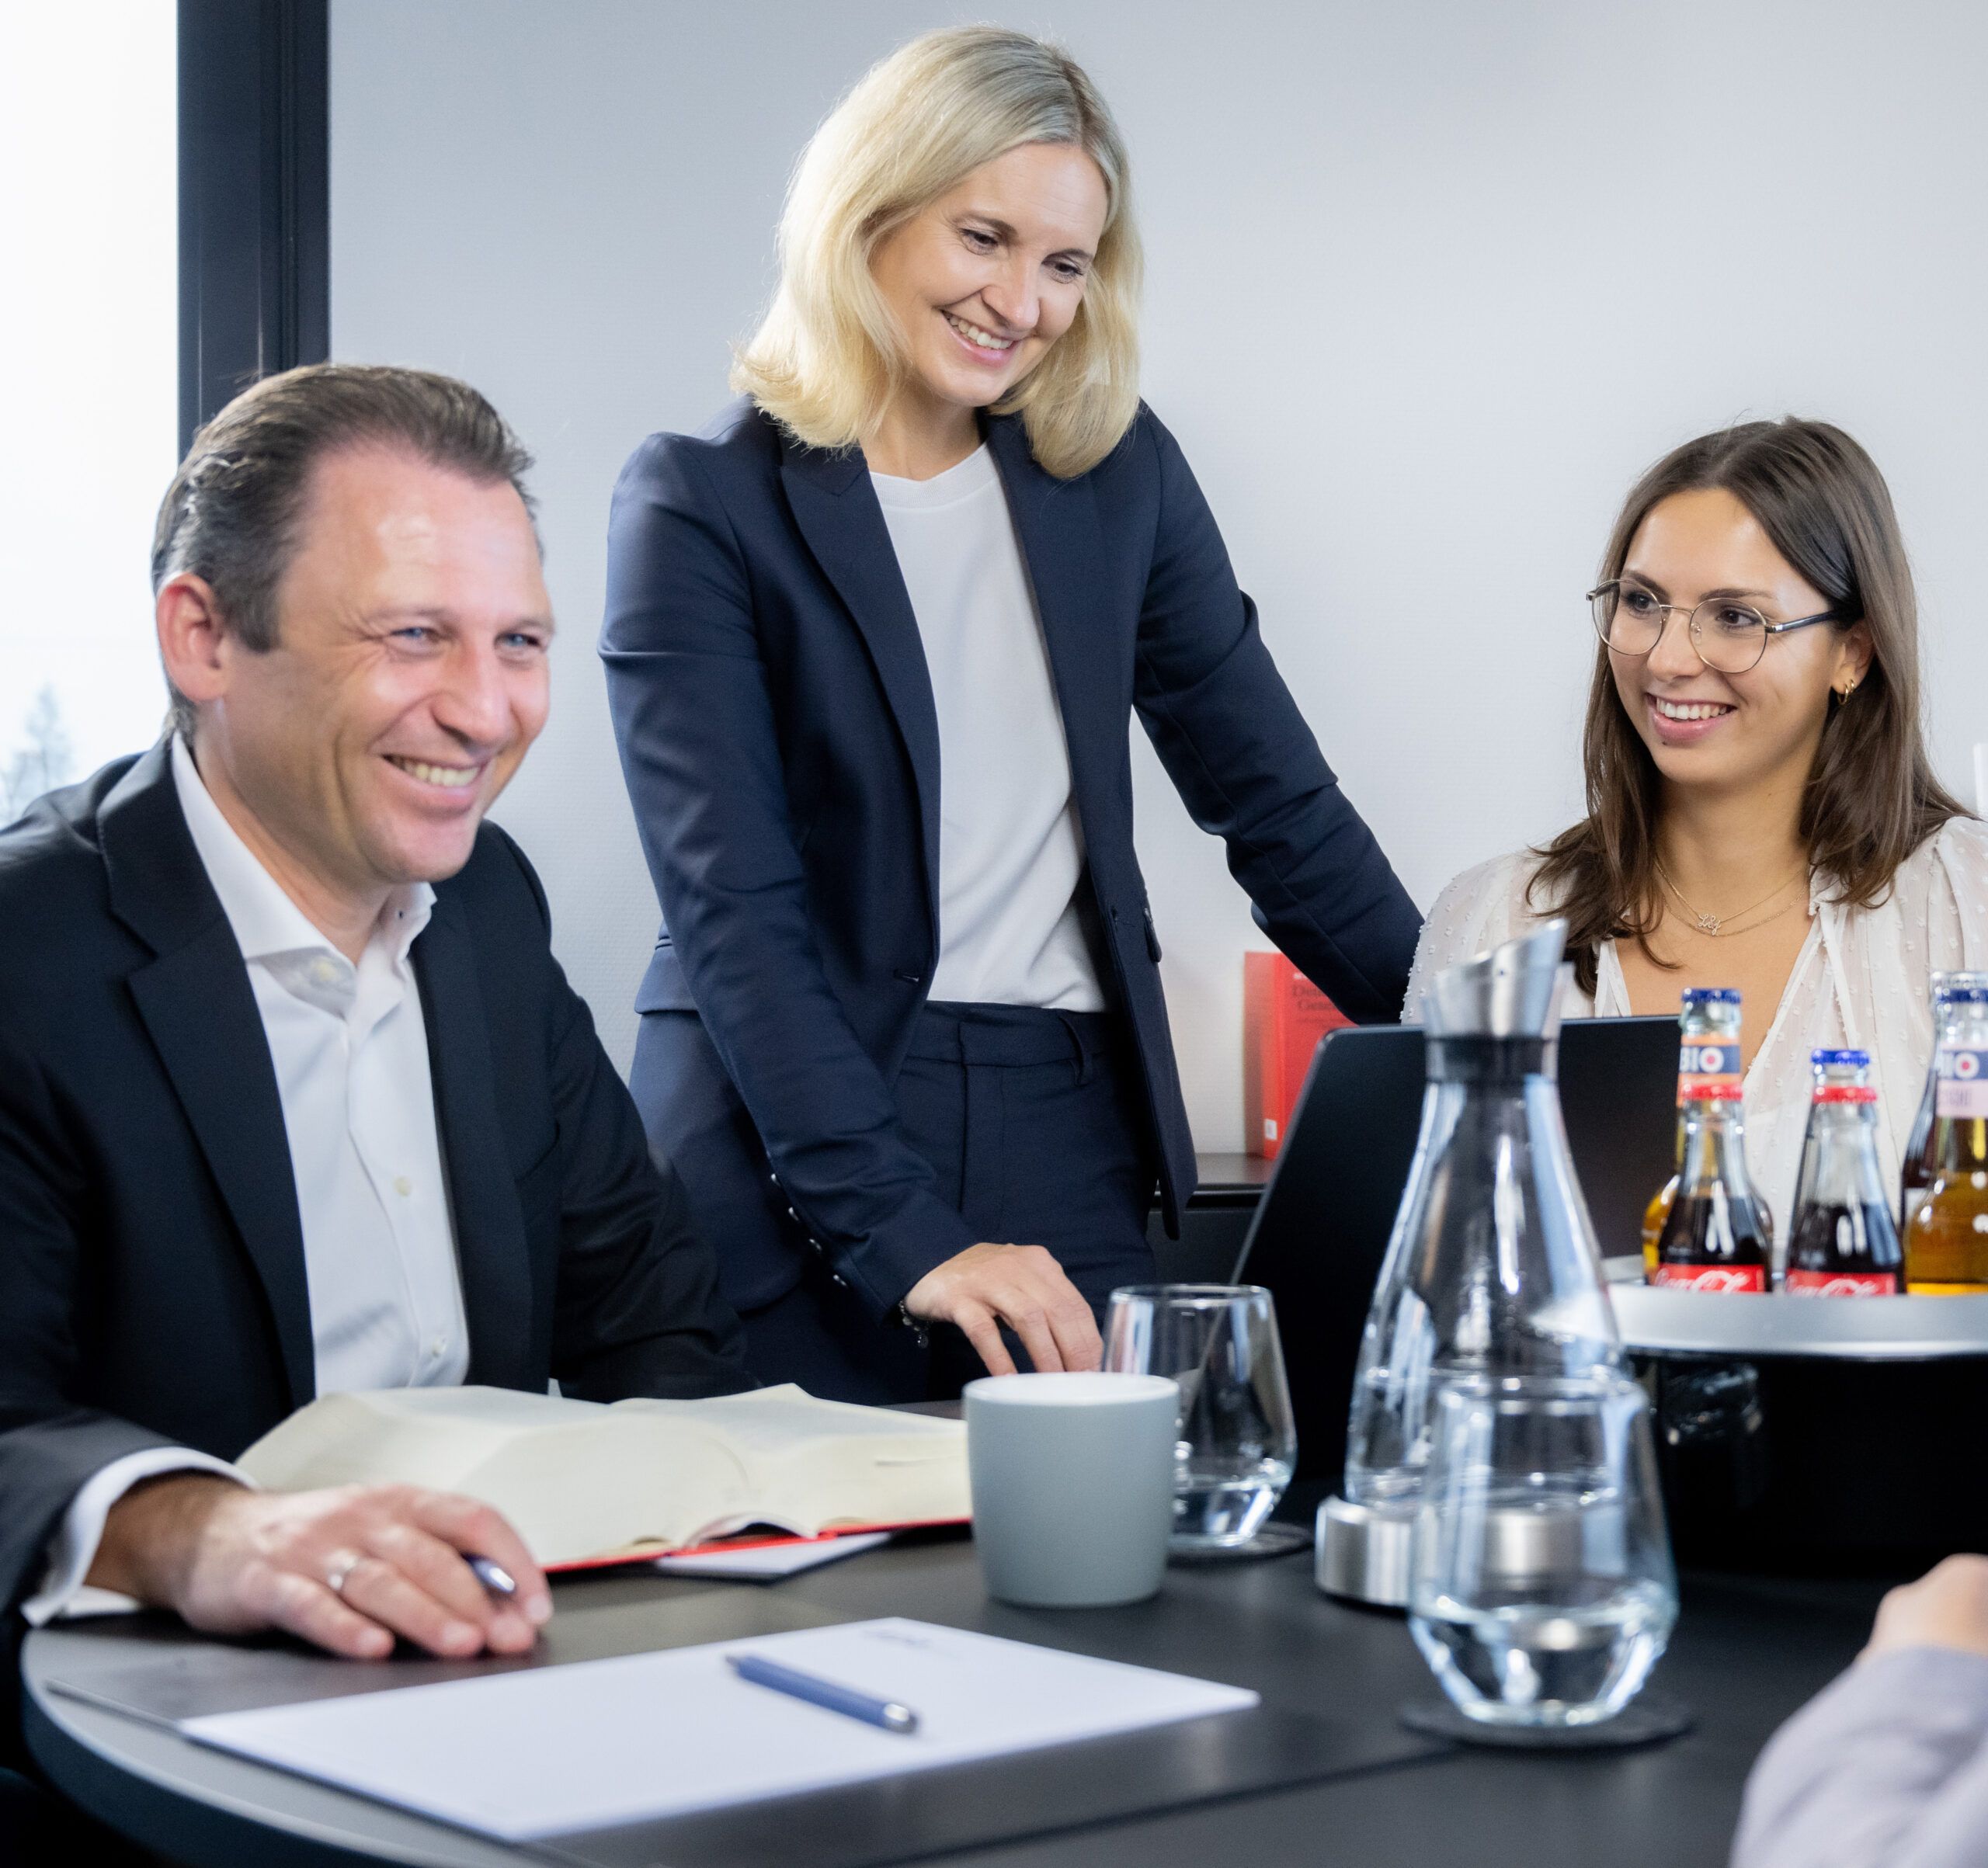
(89, 325)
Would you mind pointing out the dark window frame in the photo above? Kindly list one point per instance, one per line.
(255, 196)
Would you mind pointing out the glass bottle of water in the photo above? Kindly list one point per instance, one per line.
(1491, 1270)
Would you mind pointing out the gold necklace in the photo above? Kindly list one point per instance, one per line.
(1728, 932)
(1714, 925)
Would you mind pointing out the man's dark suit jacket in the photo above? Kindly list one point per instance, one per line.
(152, 1286)
(777, 731)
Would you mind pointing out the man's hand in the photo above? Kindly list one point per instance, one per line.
(349, 1569)
(1947, 1607)
(1021, 1285)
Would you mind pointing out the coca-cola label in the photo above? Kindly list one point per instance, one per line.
(1962, 1091)
(1712, 1277)
(1841, 1284)
(1705, 1067)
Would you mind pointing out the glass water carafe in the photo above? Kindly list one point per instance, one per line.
(1491, 1270)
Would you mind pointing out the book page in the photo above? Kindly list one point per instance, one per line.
(615, 1483)
(815, 1464)
(572, 1478)
(775, 1420)
(577, 1480)
(433, 1437)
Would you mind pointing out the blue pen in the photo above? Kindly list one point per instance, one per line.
(494, 1577)
(824, 1693)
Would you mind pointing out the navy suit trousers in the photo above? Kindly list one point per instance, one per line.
(1035, 1124)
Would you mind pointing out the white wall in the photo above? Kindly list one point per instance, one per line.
(1429, 284)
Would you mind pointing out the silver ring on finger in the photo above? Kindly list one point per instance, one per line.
(341, 1568)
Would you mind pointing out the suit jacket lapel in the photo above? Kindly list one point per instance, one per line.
(1056, 521)
(490, 1236)
(835, 507)
(200, 1011)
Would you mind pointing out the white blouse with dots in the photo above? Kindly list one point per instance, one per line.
(1860, 982)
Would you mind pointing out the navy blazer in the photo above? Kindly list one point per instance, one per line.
(777, 727)
(152, 1284)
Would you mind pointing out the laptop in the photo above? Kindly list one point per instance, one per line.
(1321, 1230)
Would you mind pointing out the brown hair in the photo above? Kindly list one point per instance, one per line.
(1872, 798)
(230, 514)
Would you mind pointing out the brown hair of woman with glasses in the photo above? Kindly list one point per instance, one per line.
(1761, 812)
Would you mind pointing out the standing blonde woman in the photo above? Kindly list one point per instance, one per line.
(873, 640)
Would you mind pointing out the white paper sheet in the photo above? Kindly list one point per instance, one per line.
(769, 1562)
(562, 1749)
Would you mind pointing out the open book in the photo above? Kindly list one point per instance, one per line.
(582, 1482)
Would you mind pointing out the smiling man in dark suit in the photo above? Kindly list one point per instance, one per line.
(293, 1097)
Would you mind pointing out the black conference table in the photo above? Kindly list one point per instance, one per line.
(1746, 1652)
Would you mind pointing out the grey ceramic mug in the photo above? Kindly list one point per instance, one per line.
(1073, 1485)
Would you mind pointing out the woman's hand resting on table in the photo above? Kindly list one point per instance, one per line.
(1020, 1285)
(349, 1570)
(1947, 1607)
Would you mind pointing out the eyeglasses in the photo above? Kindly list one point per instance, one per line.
(1729, 638)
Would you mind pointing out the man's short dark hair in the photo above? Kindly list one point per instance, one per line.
(231, 515)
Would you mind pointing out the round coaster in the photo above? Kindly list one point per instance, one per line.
(1273, 1540)
(1647, 1719)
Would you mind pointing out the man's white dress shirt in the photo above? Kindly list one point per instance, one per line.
(351, 1056)
(1010, 853)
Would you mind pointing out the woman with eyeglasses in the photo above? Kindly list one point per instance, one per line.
(873, 641)
(1761, 811)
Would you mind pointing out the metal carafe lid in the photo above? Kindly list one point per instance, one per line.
(1506, 993)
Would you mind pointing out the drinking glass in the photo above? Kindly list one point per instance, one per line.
(1236, 1445)
(1543, 1591)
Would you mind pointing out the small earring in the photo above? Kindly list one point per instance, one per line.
(1849, 688)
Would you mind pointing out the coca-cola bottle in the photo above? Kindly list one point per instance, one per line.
(1708, 1027)
(1718, 1235)
(1843, 1243)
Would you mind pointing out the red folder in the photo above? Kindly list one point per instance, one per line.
(1283, 1017)
(757, 1539)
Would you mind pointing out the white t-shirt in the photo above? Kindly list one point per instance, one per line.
(1010, 852)
(1860, 981)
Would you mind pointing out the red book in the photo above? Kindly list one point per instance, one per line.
(1283, 1017)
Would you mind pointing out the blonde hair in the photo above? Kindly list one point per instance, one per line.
(829, 357)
